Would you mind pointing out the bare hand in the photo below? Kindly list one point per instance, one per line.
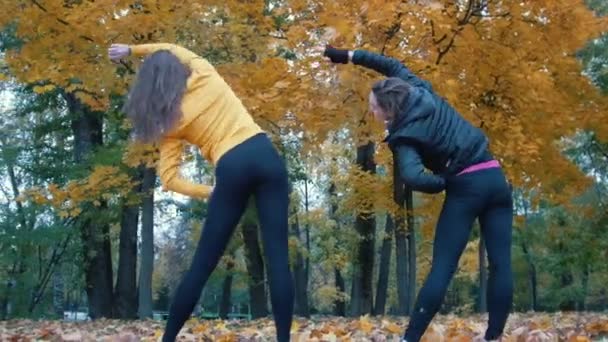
(118, 51)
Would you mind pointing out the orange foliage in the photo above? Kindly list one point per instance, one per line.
(513, 74)
(104, 183)
(509, 68)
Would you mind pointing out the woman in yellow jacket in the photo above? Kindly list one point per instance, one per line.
(179, 97)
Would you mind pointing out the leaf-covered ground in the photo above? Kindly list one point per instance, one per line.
(521, 327)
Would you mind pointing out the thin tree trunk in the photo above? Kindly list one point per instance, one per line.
(146, 267)
(226, 292)
(365, 224)
(5, 310)
(385, 262)
(4, 303)
(58, 293)
(585, 285)
(255, 266)
(305, 310)
(339, 303)
(87, 127)
(483, 277)
(411, 248)
(529, 260)
(566, 279)
(401, 253)
(531, 276)
(301, 287)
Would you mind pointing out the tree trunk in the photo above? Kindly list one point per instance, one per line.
(98, 268)
(411, 248)
(534, 286)
(125, 304)
(87, 127)
(255, 266)
(5, 310)
(58, 293)
(226, 292)
(146, 267)
(400, 241)
(483, 277)
(531, 276)
(567, 304)
(566, 279)
(305, 308)
(339, 303)
(531, 266)
(301, 286)
(582, 306)
(385, 262)
(365, 224)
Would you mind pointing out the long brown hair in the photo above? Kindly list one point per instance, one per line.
(390, 94)
(154, 102)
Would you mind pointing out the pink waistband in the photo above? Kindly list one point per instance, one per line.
(481, 166)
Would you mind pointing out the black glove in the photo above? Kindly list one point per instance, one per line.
(336, 55)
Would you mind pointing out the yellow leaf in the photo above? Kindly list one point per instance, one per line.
(43, 89)
(393, 328)
(199, 328)
(158, 334)
(75, 212)
(282, 84)
(295, 326)
(365, 325)
(331, 337)
(221, 325)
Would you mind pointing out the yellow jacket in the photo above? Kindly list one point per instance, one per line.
(214, 119)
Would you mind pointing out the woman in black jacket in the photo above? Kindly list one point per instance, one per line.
(424, 131)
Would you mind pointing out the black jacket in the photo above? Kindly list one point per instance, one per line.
(427, 132)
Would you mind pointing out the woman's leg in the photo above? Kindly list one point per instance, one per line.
(451, 237)
(226, 207)
(272, 200)
(496, 228)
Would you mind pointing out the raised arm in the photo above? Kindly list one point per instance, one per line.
(185, 56)
(118, 51)
(168, 169)
(387, 66)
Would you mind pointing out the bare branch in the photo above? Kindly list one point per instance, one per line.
(39, 5)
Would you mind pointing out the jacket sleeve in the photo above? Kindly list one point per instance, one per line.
(389, 67)
(168, 168)
(413, 173)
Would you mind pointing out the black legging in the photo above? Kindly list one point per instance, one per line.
(485, 195)
(252, 168)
